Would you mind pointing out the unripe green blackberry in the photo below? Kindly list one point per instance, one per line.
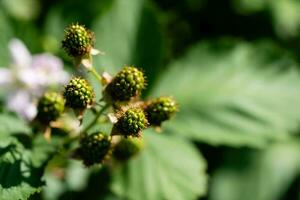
(131, 122)
(94, 148)
(78, 41)
(128, 83)
(50, 106)
(126, 148)
(79, 94)
(160, 110)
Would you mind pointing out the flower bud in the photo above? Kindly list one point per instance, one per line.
(94, 148)
(79, 94)
(127, 148)
(78, 41)
(160, 110)
(131, 123)
(50, 107)
(128, 83)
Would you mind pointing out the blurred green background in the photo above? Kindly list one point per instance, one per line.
(233, 65)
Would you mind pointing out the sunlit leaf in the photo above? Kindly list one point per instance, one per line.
(21, 192)
(239, 95)
(22, 9)
(169, 168)
(129, 34)
(6, 31)
(10, 123)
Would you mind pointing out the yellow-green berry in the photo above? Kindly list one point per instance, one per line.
(78, 40)
(160, 110)
(131, 122)
(94, 148)
(127, 148)
(50, 106)
(128, 83)
(79, 94)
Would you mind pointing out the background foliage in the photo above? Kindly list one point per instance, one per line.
(233, 65)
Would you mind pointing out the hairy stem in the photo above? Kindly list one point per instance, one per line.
(92, 123)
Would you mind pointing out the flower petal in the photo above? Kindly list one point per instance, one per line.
(20, 55)
(6, 77)
(49, 68)
(21, 103)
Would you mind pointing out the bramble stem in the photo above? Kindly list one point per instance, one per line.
(95, 73)
(92, 123)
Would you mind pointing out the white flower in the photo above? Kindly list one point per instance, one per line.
(22, 103)
(28, 77)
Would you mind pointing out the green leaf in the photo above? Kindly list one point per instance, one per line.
(25, 10)
(168, 168)
(129, 34)
(234, 95)
(285, 14)
(23, 191)
(10, 124)
(75, 180)
(21, 168)
(267, 174)
(5, 29)
(54, 24)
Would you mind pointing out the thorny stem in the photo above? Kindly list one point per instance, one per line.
(92, 123)
(95, 73)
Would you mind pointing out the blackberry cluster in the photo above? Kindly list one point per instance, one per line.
(50, 106)
(79, 94)
(130, 114)
(160, 110)
(128, 83)
(94, 148)
(78, 41)
(131, 122)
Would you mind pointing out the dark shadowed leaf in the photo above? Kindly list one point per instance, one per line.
(21, 169)
(266, 176)
(285, 14)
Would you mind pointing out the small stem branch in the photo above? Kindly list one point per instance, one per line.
(92, 123)
(95, 73)
(68, 141)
